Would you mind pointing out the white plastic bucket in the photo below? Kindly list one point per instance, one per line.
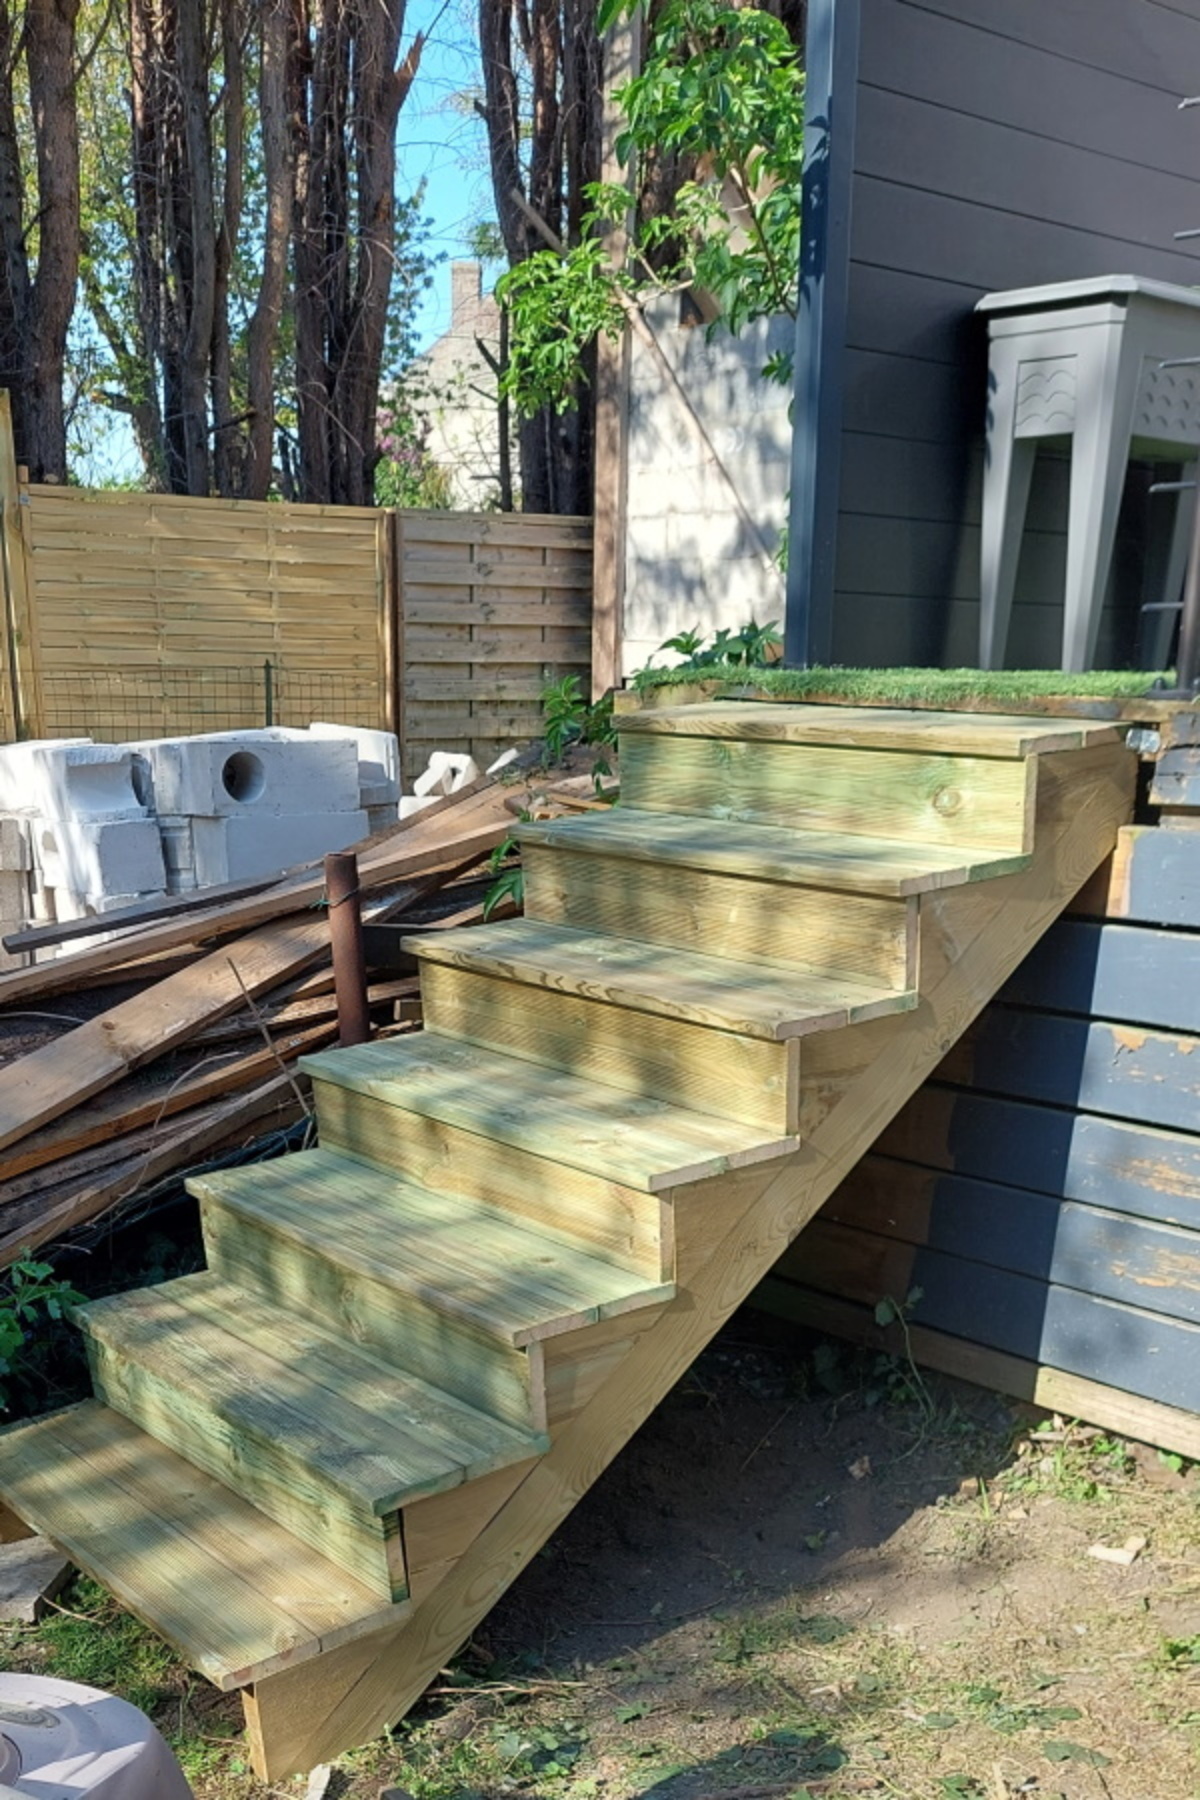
(61, 1741)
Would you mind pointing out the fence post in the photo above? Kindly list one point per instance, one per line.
(20, 647)
(268, 693)
(393, 629)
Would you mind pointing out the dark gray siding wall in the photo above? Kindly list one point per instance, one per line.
(998, 144)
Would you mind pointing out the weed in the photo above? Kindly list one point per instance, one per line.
(34, 1298)
(754, 646)
(98, 1644)
(567, 718)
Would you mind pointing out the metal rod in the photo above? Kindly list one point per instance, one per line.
(268, 693)
(1172, 487)
(346, 941)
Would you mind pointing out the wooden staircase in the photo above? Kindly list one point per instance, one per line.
(315, 1466)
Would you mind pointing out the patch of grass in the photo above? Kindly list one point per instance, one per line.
(96, 1643)
(1069, 1463)
(947, 687)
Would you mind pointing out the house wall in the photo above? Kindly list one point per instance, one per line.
(691, 559)
(1039, 1198)
(454, 392)
(995, 144)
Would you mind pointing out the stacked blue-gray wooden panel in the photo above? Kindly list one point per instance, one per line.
(1042, 1192)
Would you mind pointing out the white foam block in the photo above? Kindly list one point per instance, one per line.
(229, 773)
(378, 755)
(69, 778)
(265, 844)
(90, 858)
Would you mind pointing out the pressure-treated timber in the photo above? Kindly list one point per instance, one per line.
(971, 941)
(671, 1211)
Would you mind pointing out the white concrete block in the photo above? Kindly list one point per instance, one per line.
(229, 773)
(382, 818)
(445, 773)
(91, 858)
(265, 844)
(415, 803)
(69, 779)
(16, 852)
(378, 755)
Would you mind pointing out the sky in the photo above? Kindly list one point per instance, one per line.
(442, 142)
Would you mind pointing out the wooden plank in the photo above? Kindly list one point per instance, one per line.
(438, 1531)
(461, 1261)
(1113, 1255)
(917, 798)
(1152, 878)
(235, 1122)
(710, 991)
(1129, 1415)
(1176, 779)
(729, 1076)
(803, 858)
(1123, 972)
(23, 694)
(234, 1593)
(871, 728)
(723, 915)
(638, 1142)
(38, 937)
(1112, 1163)
(974, 939)
(114, 1117)
(1089, 1065)
(624, 1225)
(1146, 1353)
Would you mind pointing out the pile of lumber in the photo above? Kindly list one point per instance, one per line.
(129, 1061)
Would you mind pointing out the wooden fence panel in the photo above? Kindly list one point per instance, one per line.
(150, 613)
(494, 606)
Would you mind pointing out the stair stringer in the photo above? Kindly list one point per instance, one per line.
(971, 940)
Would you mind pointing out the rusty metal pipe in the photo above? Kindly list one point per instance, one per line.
(346, 941)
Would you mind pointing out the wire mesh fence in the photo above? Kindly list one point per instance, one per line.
(123, 705)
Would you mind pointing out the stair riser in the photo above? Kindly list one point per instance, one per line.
(776, 923)
(439, 1348)
(978, 802)
(631, 1228)
(367, 1547)
(713, 1072)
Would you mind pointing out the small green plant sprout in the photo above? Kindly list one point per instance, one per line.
(34, 1295)
(755, 646)
(510, 882)
(567, 718)
(889, 1311)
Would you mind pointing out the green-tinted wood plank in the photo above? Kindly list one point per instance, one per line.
(236, 1595)
(767, 852)
(744, 998)
(876, 728)
(717, 914)
(640, 1143)
(918, 798)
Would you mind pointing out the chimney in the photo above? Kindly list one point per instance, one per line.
(466, 291)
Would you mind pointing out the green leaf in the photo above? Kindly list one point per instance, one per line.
(1059, 1750)
(940, 1721)
(626, 1715)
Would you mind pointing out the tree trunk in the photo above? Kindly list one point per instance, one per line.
(278, 179)
(50, 61)
(226, 441)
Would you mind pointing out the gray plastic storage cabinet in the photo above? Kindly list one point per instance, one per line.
(1085, 360)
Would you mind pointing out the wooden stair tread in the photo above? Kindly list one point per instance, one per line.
(749, 998)
(641, 1143)
(374, 1433)
(1009, 736)
(829, 859)
(235, 1594)
(462, 1258)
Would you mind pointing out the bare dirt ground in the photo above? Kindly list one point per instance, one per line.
(812, 1573)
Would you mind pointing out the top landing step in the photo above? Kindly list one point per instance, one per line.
(872, 728)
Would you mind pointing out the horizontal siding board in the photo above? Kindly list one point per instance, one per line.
(1123, 1346)
(1093, 1065)
(1015, 174)
(1118, 1256)
(1122, 37)
(1118, 972)
(950, 60)
(1119, 1165)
